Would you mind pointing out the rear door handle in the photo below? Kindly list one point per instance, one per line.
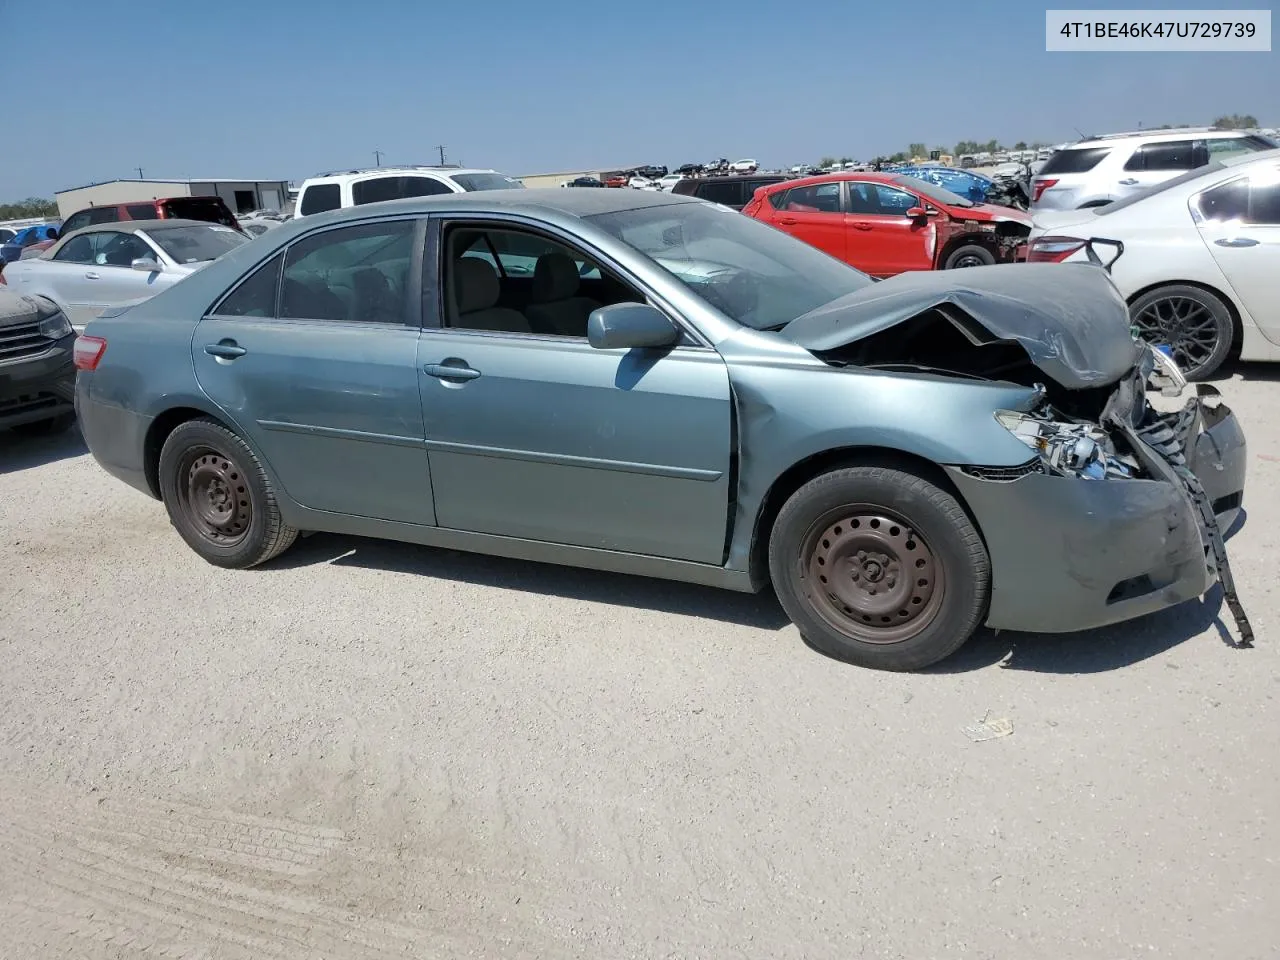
(92, 276)
(225, 350)
(1128, 182)
(1237, 242)
(458, 370)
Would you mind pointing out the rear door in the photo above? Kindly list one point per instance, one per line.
(1240, 224)
(882, 240)
(810, 213)
(313, 356)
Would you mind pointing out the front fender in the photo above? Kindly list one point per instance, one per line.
(787, 415)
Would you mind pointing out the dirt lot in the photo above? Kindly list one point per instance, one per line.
(375, 750)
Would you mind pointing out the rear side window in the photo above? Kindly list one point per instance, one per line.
(728, 192)
(382, 189)
(142, 211)
(256, 297)
(1254, 199)
(208, 209)
(358, 273)
(104, 215)
(1176, 155)
(1074, 161)
(817, 198)
(319, 198)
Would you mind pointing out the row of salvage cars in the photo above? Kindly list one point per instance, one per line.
(651, 384)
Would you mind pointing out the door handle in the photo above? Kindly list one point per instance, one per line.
(788, 220)
(1128, 181)
(458, 370)
(1237, 242)
(92, 276)
(861, 226)
(225, 350)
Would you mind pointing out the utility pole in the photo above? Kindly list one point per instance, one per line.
(377, 156)
(139, 173)
(441, 149)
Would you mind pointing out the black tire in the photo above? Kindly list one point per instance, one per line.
(1195, 323)
(969, 255)
(219, 498)
(46, 428)
(903, 523)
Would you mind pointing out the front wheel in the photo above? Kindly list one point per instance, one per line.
(219, 498)
(970, 255)
(880, 568)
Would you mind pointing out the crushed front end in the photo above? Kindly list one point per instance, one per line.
(1116, 515)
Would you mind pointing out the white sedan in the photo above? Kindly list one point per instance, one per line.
(99, 266)
(1200, 261)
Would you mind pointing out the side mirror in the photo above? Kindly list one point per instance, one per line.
(147, 265)
(916, 213)
(629, 325)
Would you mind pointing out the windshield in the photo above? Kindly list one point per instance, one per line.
(487, 181)
(753, 273)
(934, 192)
(1158, 188)
(194, 244)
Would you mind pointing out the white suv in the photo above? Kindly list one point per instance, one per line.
(354, 188)
(1095, 172)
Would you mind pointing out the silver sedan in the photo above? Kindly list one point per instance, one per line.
(100, 266)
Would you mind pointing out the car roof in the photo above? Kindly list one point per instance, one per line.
(1115, 139)
(150, 226)
(424, 170)
(535, 200)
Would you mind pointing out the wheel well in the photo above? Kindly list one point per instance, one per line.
(798, 474)
(158, 433)
(968, 240)
(1237, 330)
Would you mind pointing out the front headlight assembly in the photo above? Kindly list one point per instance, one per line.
(55, 326)
(1070, 449)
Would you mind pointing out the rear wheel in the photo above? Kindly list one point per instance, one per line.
(970, 255)
(219, 498)
(879, 567)
(1194, 323)
(46, 428)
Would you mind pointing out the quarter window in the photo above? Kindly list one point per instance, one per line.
(382, 189)
(256, 297)
(1223, 148)
(1254, 200)
(320, 197)
(358, 274)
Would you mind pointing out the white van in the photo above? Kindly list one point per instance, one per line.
(354, 188)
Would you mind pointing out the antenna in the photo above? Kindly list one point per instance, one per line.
(1080, 132)
(377, 158)
(441, 149)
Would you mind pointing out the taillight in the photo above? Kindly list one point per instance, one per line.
(1039, 186)
(1053, 249)
(87, 352)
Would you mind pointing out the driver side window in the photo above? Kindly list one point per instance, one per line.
(508, 280)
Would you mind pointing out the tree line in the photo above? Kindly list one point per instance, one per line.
(28, 209)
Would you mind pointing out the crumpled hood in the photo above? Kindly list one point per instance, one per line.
(1069, 317)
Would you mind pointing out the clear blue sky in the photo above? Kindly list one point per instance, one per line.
(282, 89)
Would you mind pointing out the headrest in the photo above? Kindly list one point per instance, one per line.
(555, 277)
(475, 284)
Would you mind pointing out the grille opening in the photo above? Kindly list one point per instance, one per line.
(22, 340)
(1231, 501)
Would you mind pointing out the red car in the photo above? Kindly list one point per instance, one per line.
(886, 223)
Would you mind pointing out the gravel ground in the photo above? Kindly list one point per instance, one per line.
(368, 749)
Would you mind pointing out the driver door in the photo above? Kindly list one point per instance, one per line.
(542, 436)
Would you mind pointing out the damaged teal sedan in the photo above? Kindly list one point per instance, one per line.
(655, 385)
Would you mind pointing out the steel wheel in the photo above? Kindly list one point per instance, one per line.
(215, 496)
(969, 260)
(1186, 325)
(872, 577)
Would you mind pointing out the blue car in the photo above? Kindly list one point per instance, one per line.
(964, 183)
(12, 249)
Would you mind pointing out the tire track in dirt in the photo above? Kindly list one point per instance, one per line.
(181, 887)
